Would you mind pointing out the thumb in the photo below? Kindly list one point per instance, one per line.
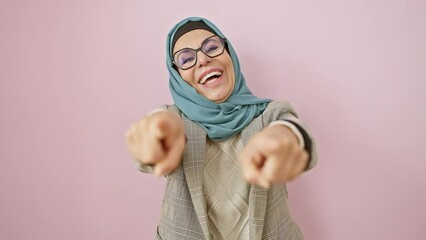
(162, 129)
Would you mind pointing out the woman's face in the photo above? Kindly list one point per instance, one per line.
(213, 78)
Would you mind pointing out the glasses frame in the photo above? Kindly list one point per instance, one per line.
(223, 40)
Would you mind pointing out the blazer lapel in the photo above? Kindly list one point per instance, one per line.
(258, 195)
(257, 210)
(193, 166)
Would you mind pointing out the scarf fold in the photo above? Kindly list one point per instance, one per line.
(220, 120)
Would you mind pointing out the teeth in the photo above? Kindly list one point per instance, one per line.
(204, 79)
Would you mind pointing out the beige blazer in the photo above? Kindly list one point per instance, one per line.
(184, 211)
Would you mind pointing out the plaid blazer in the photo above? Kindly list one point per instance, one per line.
(184, 210)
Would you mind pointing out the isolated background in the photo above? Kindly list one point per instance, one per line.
(75, 74)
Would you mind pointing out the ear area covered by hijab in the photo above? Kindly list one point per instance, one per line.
(219, 120)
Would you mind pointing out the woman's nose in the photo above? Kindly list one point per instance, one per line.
(202, 59)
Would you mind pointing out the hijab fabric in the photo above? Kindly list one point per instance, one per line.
(219, 120)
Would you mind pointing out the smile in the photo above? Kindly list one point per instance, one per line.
(210, 75)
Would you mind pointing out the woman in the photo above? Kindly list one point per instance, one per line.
(226, 154)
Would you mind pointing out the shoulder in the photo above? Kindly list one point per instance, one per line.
(278, 103)
(279, 106)
(171, 108)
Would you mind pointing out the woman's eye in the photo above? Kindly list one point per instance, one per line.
(212, 49)
(186, 60)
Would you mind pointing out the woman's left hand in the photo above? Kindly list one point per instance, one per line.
(273, 156)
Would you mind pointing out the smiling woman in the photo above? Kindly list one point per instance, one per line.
(227, 154)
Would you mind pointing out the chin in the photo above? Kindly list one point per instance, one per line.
(218, 99)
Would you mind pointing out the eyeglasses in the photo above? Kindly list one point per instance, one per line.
(187, 57)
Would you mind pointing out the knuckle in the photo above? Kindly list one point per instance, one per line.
(286, 143)
(274, 144)
(148, 157)
(271, 145)
(141, 159)
(145, 160)
(146, 123)
(130, 131)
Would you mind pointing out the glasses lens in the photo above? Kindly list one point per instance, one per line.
(213, 46)
(185, 58)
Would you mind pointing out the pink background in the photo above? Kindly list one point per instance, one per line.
(75, 74)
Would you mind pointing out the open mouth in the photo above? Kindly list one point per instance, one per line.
(210, 76)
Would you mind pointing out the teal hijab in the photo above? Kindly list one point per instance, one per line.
(219, 120)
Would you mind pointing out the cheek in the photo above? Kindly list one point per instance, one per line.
(187, 76)
(231, 73)
(227, 62)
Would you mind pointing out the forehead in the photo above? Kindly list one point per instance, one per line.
(192, 39)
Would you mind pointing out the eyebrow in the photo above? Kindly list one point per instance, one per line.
(194, 48)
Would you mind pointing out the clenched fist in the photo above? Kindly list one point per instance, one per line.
(272, 156)
(158, 140)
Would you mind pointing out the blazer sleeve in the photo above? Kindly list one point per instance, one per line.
(282, 110)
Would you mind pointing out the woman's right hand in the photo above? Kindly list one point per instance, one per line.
(159, 140)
